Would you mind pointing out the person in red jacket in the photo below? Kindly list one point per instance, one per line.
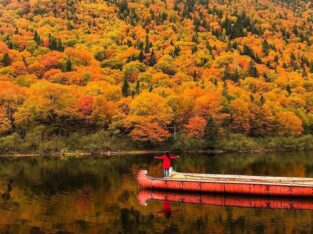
(167, 162)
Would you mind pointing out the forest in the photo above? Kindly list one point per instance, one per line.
(98, 75)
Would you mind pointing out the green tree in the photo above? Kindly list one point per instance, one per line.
(265, 47)
(252, 71)
(137, 88)
(68, 65)
(211, 132)
(37, 38)
(141, 56)
(311, 67)
(152, 60)
(226, 74)
(6, 60)
(151, 88)
(100, 55)
(125, 88)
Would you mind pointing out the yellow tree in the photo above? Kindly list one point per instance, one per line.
(210, 104)
(289, 124)
(11, 97)
(149, 109)
(48, 104)
(240, 116)
(262, 120)
(5, 125)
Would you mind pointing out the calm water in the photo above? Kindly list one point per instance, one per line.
(99, 195)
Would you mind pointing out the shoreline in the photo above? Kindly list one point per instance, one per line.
(140, 152)
(82, 154)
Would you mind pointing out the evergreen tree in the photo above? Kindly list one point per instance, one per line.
(225, 91)
(235, 77)
(194, 49)
(151, 88)
(229, 46)
(195, 75)
(196, 22)
(304, 73)
(131, 58)
(141, 56)
(248, 51)
(125, 88)
(265, 47)
(252, 71)
(252, 98)
(137, 89)
(195, 38)
(288, 89)
(311, 67)
(59, 45)
(293, 62)
(226, 75)
(140, 45)
(100, 55)
(132, 93)
(152, 60)
(68, 65)
(55, 44)
(176, 51)
(262, 100)
(211, 132)
(6, 61)
(9, 42)
(208, 46)
(37, 38)
(123, 6)
(147, 44)
(276, 59)
(52, 43)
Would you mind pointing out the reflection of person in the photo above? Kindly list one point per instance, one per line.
(167, 162)
(6, 195)
(167, 209)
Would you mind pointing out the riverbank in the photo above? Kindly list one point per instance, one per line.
(87, 146)
(83, 154)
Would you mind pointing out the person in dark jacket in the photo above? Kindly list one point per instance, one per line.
(166, 162)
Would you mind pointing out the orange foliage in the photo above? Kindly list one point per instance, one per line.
(155, 66)
(290, 124)
(240, 116)
(196, 127)
(150, 132)
(209, 105)
(85, 104)
(5, 124)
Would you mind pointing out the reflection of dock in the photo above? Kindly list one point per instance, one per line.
(227, 200)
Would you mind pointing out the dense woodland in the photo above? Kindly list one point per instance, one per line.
(151, 72)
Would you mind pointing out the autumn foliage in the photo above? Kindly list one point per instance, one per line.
(153, 70)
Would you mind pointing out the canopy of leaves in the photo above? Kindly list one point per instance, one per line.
(149, 68)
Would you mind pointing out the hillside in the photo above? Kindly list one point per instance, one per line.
(76, 74)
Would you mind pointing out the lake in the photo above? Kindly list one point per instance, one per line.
(100, 195)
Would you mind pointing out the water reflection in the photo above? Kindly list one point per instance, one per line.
(167, 210)
(292, 203)
(99, 195)
(7, 194)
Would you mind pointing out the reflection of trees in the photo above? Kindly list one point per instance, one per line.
(133, 221)
(7, 194)
(276, 164)
(98, 195)
(129, 220)
(47, 176)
